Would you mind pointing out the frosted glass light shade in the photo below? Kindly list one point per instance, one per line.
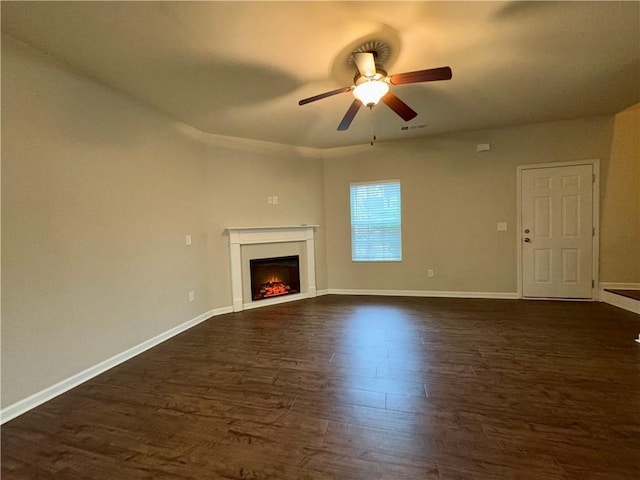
(370, 93)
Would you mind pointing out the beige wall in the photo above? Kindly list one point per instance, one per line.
(620, 214)
(452, 200)
(98, 193)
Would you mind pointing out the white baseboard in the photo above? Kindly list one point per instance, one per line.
(424, 293)
(32, 401)
(618, 300)
(282, 299)
(275, 301)
(617, 286)
(621, 302)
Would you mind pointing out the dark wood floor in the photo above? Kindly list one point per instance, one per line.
(357, 388)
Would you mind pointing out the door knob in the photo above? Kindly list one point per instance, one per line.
(527, 239)
(526, 230)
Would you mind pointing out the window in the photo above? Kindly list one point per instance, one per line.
(376, 222)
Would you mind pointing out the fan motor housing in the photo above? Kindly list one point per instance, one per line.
(381, 52)
(380, 75)
(384, 44)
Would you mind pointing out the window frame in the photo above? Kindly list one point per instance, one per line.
(369, 258)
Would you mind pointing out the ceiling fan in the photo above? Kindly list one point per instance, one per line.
(371, 84)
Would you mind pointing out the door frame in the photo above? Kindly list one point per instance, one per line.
(595, 164)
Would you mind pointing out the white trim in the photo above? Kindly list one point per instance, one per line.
(322, 292)
(619, 301)
(619, 285)
(595, 163)
(275, 300)
(32, 401)
(423, 293)
(239, 236)
(376, 182)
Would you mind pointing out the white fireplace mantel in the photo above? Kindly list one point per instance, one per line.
(239, 236)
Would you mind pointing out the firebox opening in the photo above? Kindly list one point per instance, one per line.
(272, 277)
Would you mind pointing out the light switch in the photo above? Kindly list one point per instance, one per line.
(275, 199)
(187, 239)
(502, 226)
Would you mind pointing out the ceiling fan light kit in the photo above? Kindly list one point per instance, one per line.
(370, 92)
(372, 84)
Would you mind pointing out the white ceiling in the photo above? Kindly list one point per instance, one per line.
(239, 68)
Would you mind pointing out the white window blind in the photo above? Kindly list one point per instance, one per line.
(376, 222)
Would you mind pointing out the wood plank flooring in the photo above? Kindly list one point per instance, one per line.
(342, 387)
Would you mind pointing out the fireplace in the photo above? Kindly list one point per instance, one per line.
(273, 277)
(246, 238)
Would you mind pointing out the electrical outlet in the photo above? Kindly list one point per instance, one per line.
(502, 226)
(192, 296)
(187, 239)
(430, 272)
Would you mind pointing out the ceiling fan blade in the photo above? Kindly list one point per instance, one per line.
(429, 75)
(398, 106)
(366, 63)
(350, 115)
(304, 101)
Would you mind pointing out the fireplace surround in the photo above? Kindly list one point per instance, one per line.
(245, 236)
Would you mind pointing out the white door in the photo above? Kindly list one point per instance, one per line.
(557, 232)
